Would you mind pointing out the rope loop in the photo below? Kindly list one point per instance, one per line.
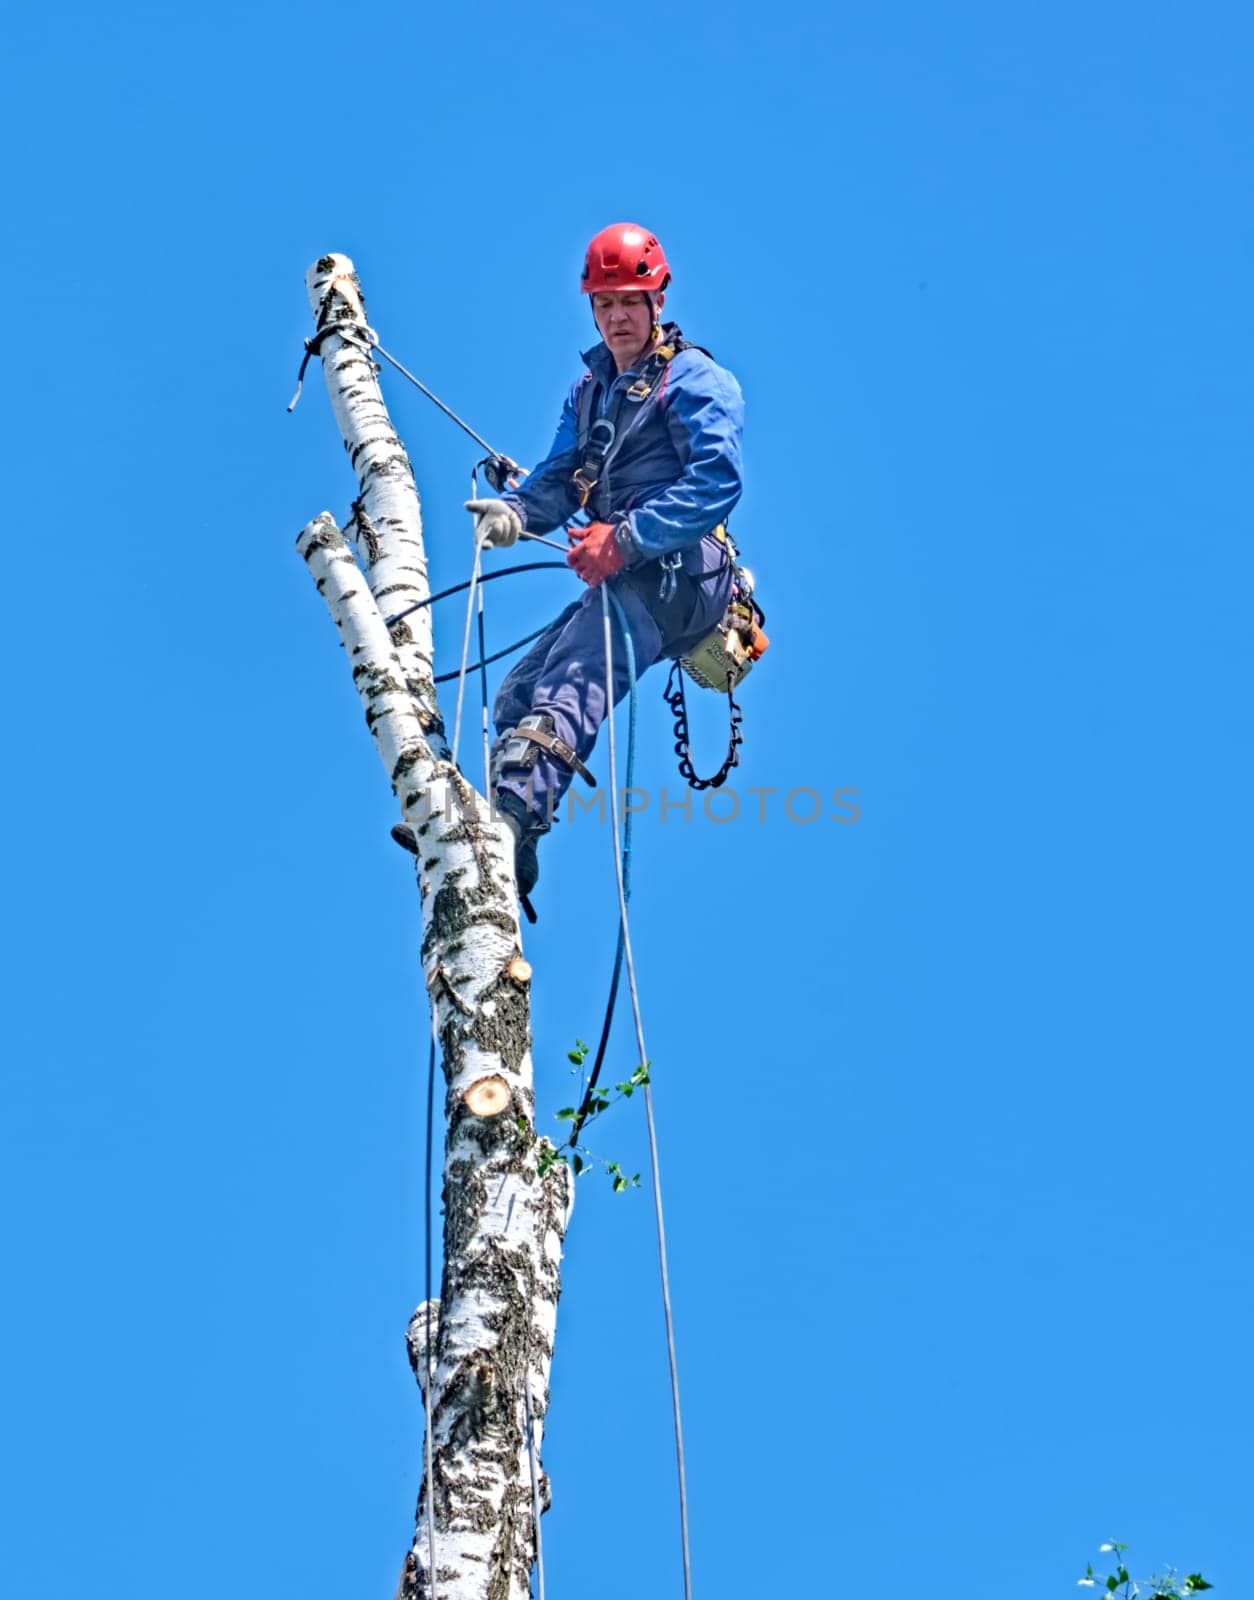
(313, 347)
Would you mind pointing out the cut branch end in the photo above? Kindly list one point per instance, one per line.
(488, 1097)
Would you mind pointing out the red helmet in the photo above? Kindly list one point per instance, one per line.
(624, 258)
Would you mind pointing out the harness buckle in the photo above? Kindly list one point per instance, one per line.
(584, 484)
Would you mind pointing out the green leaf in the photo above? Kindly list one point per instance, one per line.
(1196, 1582)
(1112, 1584)
(566, 1114)
(578, 1165)
(620, 1183)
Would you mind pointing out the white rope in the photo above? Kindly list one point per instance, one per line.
(471, 594)
(483, 711)
(648, 1096)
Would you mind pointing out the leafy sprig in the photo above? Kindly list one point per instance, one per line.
(1122, 1586)
(592, 1104)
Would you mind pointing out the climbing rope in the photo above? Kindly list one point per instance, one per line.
(608, 600)
(427, 1403)
(477, 591)
(456, 588)
(483, 680)
(461, 673)
(497, 655)
(585, 1105)
(363, 337)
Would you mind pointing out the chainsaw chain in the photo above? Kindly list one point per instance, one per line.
(674, 697)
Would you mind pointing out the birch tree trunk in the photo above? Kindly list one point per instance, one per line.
(503, 1223)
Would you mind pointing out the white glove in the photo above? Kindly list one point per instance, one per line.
(497, 524)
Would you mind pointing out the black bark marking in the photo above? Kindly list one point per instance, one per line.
(506, 1030)
(457, 907)
(411, 756)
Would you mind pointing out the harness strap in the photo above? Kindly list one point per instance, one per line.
(651, 373)
(557, 747)
(600, 441)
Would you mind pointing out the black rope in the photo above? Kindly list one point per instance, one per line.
(674, 698)
(585, 1105)
(484, 577)
(486, 661)
(313, 347)
(365, 339)
(448, 411)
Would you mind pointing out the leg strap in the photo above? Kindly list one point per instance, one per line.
(556, 747)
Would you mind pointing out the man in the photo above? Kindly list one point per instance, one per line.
(648, 449)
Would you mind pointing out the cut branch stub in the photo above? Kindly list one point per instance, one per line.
(519, 970)
(420, 1339)
(487, 1097)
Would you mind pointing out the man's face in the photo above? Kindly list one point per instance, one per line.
(625, 322)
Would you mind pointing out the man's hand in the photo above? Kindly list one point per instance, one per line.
(496, 523)
(596, 555)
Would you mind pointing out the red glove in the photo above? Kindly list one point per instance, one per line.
(596, 555)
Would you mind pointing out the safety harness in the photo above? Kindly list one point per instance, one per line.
(720, 661)
(598, 438)
(725, 656)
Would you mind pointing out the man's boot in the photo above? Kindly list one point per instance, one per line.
(526, 831)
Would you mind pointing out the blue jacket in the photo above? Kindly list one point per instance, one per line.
(677, 474)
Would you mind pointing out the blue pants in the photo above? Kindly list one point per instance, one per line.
(563, 673)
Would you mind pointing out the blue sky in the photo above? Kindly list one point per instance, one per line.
(954, 1100)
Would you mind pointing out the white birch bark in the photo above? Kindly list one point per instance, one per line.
(504, 1224)
(386, 520)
